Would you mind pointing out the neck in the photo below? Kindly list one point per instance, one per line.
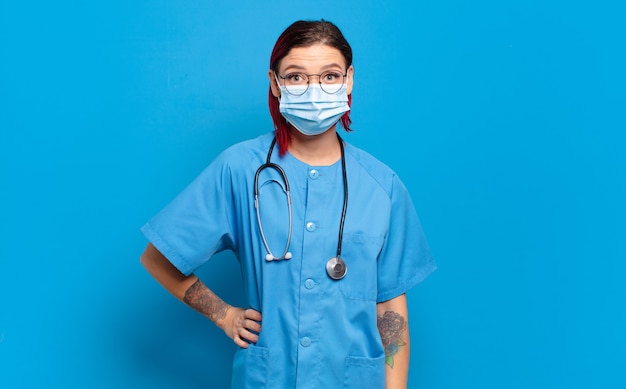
(317, 150)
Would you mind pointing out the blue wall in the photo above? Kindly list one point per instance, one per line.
(504, 118)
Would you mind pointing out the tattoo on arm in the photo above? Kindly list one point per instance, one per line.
(200, 298)
(391, 326)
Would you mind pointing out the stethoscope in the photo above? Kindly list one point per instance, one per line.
(335, 267)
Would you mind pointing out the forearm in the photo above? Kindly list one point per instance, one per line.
(188, 289)
(203, 300)
(241, 325)
(394, 331)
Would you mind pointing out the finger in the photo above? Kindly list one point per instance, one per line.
(240, 342)
(252, 325)
(250, 336)
(253, 315)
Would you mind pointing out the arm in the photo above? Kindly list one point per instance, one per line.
(235, 322)
(394, 331)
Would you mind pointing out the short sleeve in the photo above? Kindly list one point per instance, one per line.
(405, 259)
(198, 222)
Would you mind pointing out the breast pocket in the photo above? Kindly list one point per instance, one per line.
(360, 252)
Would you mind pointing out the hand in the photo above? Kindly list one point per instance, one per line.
(239, 323)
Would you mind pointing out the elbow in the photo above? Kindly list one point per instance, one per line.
(143, 259)
(147, 257)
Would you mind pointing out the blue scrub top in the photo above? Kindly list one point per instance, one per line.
(317, 332)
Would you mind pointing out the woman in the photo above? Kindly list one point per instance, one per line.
(327, 237)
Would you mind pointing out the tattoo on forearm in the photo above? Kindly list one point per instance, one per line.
(200, 298)
(391, 326)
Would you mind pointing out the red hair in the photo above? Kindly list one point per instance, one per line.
(304, 34)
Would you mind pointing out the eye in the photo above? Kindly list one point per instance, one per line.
(331, 77)
(295, 78)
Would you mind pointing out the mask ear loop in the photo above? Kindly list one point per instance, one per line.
(278, 84)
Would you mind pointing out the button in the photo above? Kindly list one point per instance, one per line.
(305, 342)
(313, 173)
(310, 226)
(309, 284)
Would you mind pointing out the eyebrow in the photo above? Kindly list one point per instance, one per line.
(298, 67)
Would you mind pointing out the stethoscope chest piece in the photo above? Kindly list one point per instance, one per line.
(336, 268)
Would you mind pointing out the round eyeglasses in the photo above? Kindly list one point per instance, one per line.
(297, 83)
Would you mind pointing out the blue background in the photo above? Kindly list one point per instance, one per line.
(505, 119)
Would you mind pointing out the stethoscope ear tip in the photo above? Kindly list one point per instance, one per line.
(270, 257)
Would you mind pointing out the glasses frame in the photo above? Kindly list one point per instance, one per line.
(308, 82)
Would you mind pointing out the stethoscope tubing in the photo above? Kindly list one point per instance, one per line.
(269, 165)
(345, 197)
(335, 267)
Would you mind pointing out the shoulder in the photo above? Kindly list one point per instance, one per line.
(249, 149)
(234, 162)
(241, 155)
(369, 166)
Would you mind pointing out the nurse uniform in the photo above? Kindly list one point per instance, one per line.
(316, 332)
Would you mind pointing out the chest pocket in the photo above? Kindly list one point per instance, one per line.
(360, 252)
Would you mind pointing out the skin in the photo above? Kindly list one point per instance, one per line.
(395, 339)
(243, 325)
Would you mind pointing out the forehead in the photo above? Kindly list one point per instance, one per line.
(313, 57)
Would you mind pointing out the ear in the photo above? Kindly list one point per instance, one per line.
(273, 83)
(350, 80)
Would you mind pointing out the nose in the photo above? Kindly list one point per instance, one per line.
(319, 79)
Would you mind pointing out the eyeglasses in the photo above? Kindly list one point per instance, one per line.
(297, 84)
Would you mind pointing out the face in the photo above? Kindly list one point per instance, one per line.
(314, 59)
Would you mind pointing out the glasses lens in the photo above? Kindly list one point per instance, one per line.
(296, 83)
(331, 81)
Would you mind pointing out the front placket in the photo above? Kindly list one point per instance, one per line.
(319, 244)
